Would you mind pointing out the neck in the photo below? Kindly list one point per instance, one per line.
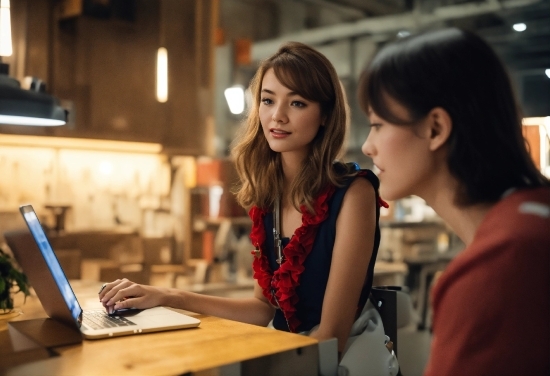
(463, 220)
(291, 163)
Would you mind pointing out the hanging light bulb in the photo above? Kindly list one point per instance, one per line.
(5, 28)
(162, 75)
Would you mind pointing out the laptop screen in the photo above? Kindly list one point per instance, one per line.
(55, 268)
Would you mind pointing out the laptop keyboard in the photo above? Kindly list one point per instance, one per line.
(101, 320)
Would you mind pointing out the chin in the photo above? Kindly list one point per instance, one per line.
(388, 194)
(276, 149)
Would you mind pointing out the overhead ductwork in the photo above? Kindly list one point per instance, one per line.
(414, 20)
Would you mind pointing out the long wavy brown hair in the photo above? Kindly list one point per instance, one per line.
(309, 73)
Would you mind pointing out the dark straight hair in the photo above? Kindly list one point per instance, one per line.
(458, 71)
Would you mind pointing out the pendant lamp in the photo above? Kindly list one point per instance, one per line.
(27, 107)
(19, 106)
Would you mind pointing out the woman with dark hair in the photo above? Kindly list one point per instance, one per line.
(445, 126)
(315, 230)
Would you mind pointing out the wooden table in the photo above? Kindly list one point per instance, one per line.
(216, 345)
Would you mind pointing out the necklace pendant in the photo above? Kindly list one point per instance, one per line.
(280, 257)
(277, 244)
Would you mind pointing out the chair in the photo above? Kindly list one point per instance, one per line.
(395, 308)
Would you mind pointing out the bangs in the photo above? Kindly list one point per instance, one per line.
(295, 74)
(379, 85)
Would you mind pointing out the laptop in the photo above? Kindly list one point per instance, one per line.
(39, 262)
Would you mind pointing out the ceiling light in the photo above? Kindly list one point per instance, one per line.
(27, 107)
(27, 120)
(403, 33)
(5, 28)
(235, 99)
(19, 106)
(547, 71)
(519, 27)
(162, 75)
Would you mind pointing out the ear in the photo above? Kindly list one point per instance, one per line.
(441, 125)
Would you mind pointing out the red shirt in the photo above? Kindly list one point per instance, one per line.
(492, 304)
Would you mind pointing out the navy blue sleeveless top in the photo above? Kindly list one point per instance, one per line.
(313, 280)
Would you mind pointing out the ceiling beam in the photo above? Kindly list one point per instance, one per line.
(378, 7)
(386, 24)
(344, 10)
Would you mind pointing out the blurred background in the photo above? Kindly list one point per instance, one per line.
(138, 181)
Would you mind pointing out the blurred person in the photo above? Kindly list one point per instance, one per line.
(445, 126)
(319, 278)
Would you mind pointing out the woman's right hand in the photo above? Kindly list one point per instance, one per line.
(123, 293)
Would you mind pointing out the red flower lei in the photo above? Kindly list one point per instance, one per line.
(286, 279)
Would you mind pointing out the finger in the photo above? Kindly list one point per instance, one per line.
(131, 302)
(124, 293)
(115, 288)
(112, 308)
(106, 287)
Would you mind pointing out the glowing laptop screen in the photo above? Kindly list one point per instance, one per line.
(59, 276)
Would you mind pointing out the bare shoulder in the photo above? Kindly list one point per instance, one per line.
(356, 222)
(360, 190)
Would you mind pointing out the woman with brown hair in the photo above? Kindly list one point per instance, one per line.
(315, 220)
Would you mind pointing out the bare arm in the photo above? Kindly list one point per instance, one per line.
(125, 294)
(352, 252)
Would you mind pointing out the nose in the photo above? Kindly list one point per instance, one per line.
(279, 114)
(368, 147)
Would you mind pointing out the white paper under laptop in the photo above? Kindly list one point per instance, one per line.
(37, 258)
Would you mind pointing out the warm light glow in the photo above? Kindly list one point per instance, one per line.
(543, 124)
(100, 185)
(162, 75)
(106, 168)
(534, 120)
(235, 99)
(27, 120)
(5, 28)
(215, 195)
(519, 27)
(79, 144)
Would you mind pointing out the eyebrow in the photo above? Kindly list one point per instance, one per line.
(290, 94)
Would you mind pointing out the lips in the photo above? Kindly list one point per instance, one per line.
(278, 133)
(377, 170)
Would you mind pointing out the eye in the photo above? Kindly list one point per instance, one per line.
(376, 125)
(298, 104)
(266, 101)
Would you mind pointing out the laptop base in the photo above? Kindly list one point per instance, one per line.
(44, 332)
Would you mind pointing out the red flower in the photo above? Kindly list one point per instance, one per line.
(286, 279)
